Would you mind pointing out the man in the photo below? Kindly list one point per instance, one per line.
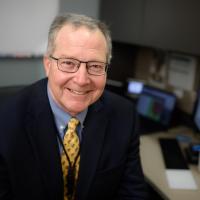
(33, 125)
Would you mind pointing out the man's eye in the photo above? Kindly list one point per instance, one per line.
(68, 62)
(97, 67)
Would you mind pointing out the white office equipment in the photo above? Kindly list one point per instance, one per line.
(180, 179)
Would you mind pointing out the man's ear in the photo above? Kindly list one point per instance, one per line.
(47, 64)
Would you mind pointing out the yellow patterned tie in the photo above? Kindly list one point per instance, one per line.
(70, 159)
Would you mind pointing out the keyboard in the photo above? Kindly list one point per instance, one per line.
(172, 154)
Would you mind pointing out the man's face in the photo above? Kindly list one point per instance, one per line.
(74, 92)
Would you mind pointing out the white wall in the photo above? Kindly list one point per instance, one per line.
(24, 25)
(24, 18)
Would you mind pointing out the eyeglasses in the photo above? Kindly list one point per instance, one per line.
(71, 65)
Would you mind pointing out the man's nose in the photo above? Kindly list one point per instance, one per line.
(82, 76)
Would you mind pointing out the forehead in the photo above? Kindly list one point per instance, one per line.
(80, 36)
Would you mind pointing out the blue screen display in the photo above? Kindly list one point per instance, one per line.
(156, 104)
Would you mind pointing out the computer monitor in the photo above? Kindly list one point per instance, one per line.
(156, 105)
(134, 87)
(196, 113)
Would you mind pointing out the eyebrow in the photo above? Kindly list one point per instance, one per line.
(71, 57)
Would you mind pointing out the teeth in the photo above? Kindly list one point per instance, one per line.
(77, 92)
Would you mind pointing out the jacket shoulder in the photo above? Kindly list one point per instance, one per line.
(114, 100)
(16, 105)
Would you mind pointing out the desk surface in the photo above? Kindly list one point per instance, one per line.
(154, 168)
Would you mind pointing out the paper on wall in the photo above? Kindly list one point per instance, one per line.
(181, 73)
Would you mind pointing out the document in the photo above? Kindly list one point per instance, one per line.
(182, 71)
(181, 179)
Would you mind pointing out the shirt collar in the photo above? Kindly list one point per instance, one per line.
(62, 117)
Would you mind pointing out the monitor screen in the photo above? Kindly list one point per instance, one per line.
(134, 87)
(156, 105)
(196, 113)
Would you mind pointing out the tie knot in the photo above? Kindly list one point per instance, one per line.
(73, 123)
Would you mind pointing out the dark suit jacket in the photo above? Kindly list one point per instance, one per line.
(30, 167)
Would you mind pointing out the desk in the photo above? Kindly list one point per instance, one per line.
(154, 168)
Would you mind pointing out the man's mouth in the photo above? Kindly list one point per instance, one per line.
(78, 92)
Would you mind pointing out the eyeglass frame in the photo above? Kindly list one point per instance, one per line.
(79, 64)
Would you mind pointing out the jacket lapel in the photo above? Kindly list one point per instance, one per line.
(41, 130)
(93, 136)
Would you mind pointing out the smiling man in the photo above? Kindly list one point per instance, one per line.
(65, 137)
(76, 89)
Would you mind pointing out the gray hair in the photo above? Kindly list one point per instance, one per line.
(77, 21)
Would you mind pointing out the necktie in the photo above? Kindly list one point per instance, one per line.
(70, 159)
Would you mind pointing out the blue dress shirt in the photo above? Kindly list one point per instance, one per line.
(62, 118)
